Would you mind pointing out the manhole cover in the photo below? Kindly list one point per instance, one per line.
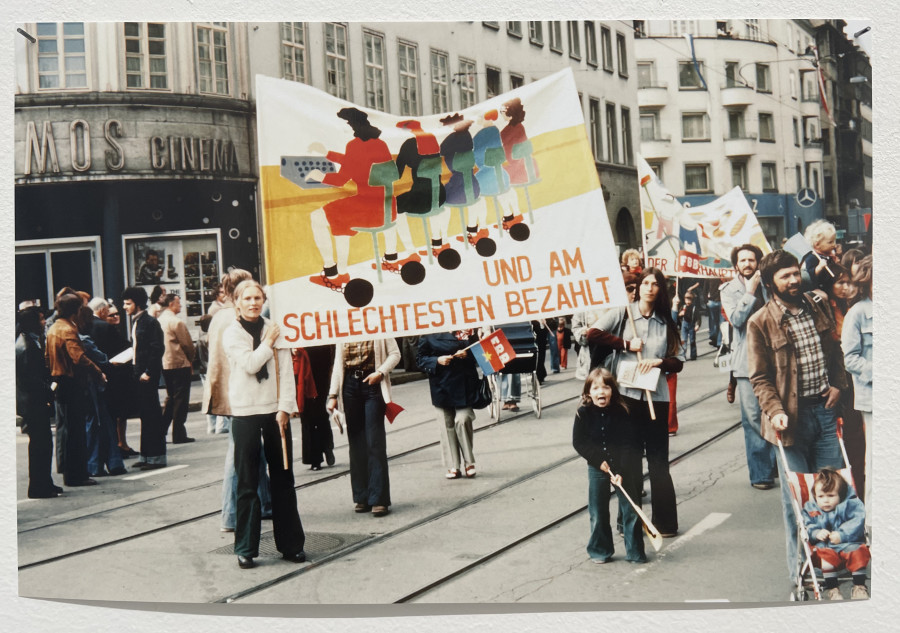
(317, 544)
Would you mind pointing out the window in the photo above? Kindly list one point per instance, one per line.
(739, 175)
(536, 33)
(612, 140)
(769, 177)
(145, 55)
(374, 45)
(293, 51)
(493, 81)
(407, 63)
(646, 70)
(688, 79)
(606, 48)
(792, 81)
(556, 36)
(650, 126)
(812, 177)
(809, 87)
(752, 29)
(694, 126)
(623, 55)
(492, 24)
(681, 27)
(766, 127)
(763, 82)
(590, 43)
(732, 78)
(640, 28)
(466, 80)
(514, 29)
(796, 132)
(440, 82)
(736, 124)
(826, 141)
(798, 174)
(627, 148)
(336, 77)
(61, 55)
(516, 81)
(574, 40)
(212, 57)
(596, 130)
(810, 130)
(696, 178)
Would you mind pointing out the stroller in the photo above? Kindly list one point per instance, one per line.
(522, 338)
(801, 487)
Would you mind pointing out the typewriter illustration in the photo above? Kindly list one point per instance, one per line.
(297, 168)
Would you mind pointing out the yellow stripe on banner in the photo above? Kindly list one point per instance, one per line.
(566, 169)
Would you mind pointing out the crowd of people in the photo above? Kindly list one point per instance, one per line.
(799, 334)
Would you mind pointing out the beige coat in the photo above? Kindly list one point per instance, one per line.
(179, 346)
(215, 389)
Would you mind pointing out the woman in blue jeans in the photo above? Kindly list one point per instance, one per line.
(361, 388)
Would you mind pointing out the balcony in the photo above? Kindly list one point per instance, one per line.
(737, 95)
(740, 145)
(812, 150)
(653, 96)
(656, 148)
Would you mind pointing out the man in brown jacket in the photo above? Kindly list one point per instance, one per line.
(177, 361)
(797, 373)
(69, 368)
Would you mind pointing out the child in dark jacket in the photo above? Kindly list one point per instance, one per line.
(605, 437)
(835, 521)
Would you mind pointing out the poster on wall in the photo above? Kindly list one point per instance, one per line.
(185, 264)
(377, 225)
(686, 241)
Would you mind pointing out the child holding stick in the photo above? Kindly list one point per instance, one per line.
(604, 435)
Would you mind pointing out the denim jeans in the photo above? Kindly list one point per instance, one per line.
(600, 543)
(100, 433)
(229, 485)
(511, 387)
(364, 410)
(554, 351)
(815, 446)
(760, 453)
(689, 338)
(715, 322)
(218, 423)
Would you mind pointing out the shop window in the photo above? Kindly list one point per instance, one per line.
(293, 51)
(212, 57)
(145, 55)
(43, 267)
(374, 62)
(61, 55)
(337, 77)
(440, 82)
(408, 65)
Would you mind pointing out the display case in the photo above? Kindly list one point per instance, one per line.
(184, 263)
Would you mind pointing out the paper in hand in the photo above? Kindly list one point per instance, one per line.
(629, 376)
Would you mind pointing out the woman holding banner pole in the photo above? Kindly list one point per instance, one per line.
(645, 329)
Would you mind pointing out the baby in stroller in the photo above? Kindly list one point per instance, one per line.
(835, 521)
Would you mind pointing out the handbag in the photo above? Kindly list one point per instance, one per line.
(483, 396)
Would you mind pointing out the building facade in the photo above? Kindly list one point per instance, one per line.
(751, 118)
(140, 136)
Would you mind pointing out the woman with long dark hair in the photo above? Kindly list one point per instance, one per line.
(656, 336)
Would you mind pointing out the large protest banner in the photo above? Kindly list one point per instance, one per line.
(377, 225)
(694, 241)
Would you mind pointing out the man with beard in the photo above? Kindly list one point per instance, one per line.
(797, 373)
(742, 297)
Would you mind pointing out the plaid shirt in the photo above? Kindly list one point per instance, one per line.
(812, 375)
(359, 355)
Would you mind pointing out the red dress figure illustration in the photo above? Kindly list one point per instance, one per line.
(512, 135)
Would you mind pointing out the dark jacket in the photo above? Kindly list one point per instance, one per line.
(150, 347)
(452, 386)
(33, 393)
(773, 362)
(607, 435)
(107, 337)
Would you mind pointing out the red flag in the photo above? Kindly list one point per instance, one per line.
(493, 352)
